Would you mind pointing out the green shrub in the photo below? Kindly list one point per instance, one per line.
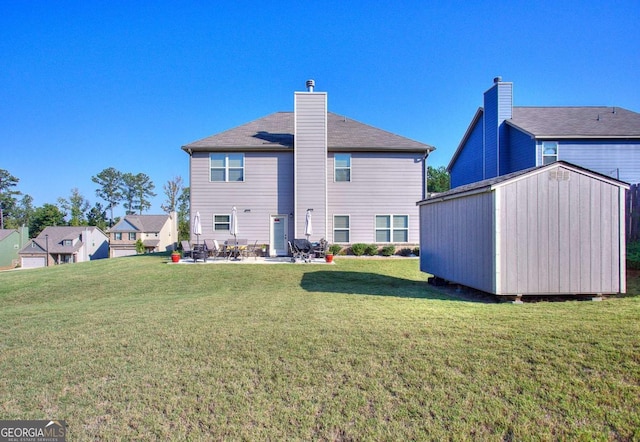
(405, 252)
(334, 249)
(139, 246)
(358, 249)
(388, 250)
(371, 250)
(416, 251)
(633, 255)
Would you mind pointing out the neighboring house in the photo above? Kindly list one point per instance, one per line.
(549, 230)
(361, 182)
(65, 245)
(158, 233)
(11, 241)
(503, 138)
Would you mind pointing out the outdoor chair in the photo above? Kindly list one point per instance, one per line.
(187, 252)
(320, 249)
(252, 250)
(301, 249)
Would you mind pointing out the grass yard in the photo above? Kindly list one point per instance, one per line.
(136, 349)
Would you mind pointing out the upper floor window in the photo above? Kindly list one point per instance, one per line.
(227, 166)
(117, 236)
(392, 228)
(132, 236)
(549, 152)
(221, 222)
(342, 166)
(341, 228)
(67, 242)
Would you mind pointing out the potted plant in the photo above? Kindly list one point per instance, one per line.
(333, 250)
(175, 256)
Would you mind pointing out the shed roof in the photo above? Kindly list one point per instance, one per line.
(491, 183)
(276, 132)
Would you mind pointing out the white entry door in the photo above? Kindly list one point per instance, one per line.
(278, 235)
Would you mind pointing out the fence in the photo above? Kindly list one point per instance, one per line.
(632, 206)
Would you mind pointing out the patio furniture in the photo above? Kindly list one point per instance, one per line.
(301, 249)
(235, 248)
(252, 250)
(320, 248)
(199, 252)
(186, 249)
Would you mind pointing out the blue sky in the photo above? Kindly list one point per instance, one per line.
(88, 85)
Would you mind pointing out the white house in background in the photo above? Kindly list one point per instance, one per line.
(65, 245)
(360, 182)
(158, 233)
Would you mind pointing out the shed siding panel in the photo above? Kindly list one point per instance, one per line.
(572, 223)
(456, 238)
(381, 184)
(267, 190)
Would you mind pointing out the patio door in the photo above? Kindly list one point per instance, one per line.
(278, 235)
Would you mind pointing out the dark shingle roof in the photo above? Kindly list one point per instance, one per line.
(56, 235)
(276, 131)
(577, 122)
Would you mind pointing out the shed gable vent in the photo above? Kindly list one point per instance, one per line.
(559, 175)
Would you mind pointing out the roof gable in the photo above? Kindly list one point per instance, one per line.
(276, 132)
(5, 233)
(141, 223)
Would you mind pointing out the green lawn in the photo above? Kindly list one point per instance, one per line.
(137, 349)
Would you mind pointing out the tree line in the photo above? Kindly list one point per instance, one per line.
(133, 191)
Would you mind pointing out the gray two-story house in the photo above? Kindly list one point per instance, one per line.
(359, 182)
(503, 138)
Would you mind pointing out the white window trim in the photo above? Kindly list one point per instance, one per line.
(348, 229)
(557, 154)
(350, 168)
(226, 167)
(391, 229)
(228, 223)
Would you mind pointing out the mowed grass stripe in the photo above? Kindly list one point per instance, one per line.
(134, 348)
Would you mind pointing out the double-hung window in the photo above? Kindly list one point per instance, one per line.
(132, 236)
(549, 152)
(117, 236)
(221, 222)
(227, 166)
(341, 228)
(342, 167)
(392, 228)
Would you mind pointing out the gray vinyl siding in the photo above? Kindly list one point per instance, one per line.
(310, 161)
(267, 190)
(381, 184)
(456, 240)
(617, 159)
(559, 236)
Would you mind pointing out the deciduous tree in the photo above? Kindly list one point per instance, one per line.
(110, 190)
(438, 179)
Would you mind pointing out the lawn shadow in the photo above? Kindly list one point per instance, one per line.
(363, 283)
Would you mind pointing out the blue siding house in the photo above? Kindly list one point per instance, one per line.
(503, 138)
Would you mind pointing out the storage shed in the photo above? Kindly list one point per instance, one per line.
(550, 230)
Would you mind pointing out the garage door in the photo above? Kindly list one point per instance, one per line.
(32, 262)
(116, 253)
